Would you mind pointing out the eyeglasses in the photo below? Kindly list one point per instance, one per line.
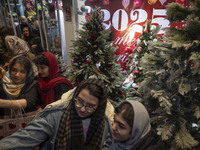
(79, 103)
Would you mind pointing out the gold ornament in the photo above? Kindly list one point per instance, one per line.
(151, 2)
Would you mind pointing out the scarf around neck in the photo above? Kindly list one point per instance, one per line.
(141, 127)
(70, 133)
(10, 88)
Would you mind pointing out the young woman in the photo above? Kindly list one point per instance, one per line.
(14, 44)
(18, 89)
(51, 84)
(76, 122)
(132, 130)
(32, 40)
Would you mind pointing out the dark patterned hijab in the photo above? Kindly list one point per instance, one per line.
(70, 133)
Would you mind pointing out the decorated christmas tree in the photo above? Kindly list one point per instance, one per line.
(135, 71)
(171, 88)
(93, 55)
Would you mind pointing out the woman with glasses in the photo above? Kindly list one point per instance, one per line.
(76, 122)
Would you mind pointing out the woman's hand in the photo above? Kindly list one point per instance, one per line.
(34, 46)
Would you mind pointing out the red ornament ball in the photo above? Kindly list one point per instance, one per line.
(136, 72)
(137, 3)
(181, 2)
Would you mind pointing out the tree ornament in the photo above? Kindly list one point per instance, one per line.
(192, 65)
(136, 72)
(87, 17)
(92, 47)
(129, 50)
(86, 62)
(109, 68)
(125, 3)
(155, 40)
(106, 55)
(151, 2)
(138, 41)
(139, 49)
(137, 3)
(98, 64)
(93, 36)
(106, 2)
(76, 83)
(181, 2)
(88, 57)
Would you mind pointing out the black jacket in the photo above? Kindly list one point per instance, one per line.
(28, 92)
(150, 142)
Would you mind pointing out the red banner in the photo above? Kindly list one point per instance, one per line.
(126, 18)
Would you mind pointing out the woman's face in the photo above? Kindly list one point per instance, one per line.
(43, 71)
(26, 32)
(88, 100)
(121, 129)
(18, 73)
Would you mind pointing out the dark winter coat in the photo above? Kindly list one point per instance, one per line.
(150, 142)
(29, 92)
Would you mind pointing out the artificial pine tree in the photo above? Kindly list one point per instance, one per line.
(135, 71)
(148, 34)
(171, 89)
(62, 65)
(93, 55)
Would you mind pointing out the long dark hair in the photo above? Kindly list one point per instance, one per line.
(127, 112)
(6, 31)
(95, 87)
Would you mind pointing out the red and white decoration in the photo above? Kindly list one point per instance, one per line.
(127, 17)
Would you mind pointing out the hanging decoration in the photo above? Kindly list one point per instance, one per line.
(125, 3)
(137, 3)
(106, 2)
(30, 9)
(151, 2)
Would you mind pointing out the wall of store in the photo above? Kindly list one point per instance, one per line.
(72, 25)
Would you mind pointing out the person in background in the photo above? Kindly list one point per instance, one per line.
(75, 122)
(23, 22)
(18, 89)
(131, 128)
(5, 55)
(33, 41)
(16, 47)
(51, 84)
(35, 27)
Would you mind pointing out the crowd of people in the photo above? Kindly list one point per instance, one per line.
(68, 117)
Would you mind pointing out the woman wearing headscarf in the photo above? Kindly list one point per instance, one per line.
(33, 40)
(131, 128)
(18, 89)
(76, 122)
(15, 46)
(51, 84)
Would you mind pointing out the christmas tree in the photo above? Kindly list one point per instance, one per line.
(62, 65)
(171, 88)
(93, 54)
(135, 71)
